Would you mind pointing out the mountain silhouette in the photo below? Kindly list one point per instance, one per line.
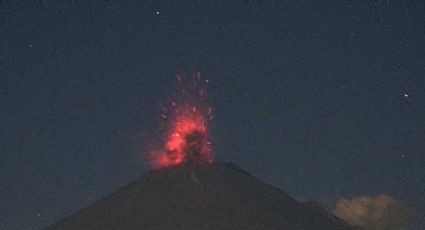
(199, 197)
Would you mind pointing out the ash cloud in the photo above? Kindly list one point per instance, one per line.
(373, 213)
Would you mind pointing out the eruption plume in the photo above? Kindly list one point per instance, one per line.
(187, 117)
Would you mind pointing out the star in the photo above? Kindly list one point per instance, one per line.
(157, 12)
(336, 191)
(407, 96)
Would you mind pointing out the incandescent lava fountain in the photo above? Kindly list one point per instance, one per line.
(186, 116)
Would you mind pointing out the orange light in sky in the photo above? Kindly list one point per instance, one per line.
(188, 138)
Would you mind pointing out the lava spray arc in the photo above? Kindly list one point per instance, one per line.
(187, 116)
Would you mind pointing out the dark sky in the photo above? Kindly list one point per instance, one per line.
(321, 99)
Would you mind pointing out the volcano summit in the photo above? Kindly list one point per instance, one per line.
(199, 197)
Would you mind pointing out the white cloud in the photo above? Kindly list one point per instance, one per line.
(372, 213)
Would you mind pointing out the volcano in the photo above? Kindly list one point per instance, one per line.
(200, 197)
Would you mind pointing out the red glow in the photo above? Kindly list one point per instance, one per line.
(187, 139)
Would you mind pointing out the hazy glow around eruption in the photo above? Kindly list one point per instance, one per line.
(187, 138)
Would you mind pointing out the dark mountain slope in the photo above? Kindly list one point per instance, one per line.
(209, 196)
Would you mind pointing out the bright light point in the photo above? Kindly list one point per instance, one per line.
(157, 12)
(406, 95)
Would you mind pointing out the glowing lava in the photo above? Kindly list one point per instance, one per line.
(187, 139)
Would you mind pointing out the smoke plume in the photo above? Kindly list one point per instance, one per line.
(372, 213)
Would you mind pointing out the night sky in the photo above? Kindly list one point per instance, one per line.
(321, 99)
